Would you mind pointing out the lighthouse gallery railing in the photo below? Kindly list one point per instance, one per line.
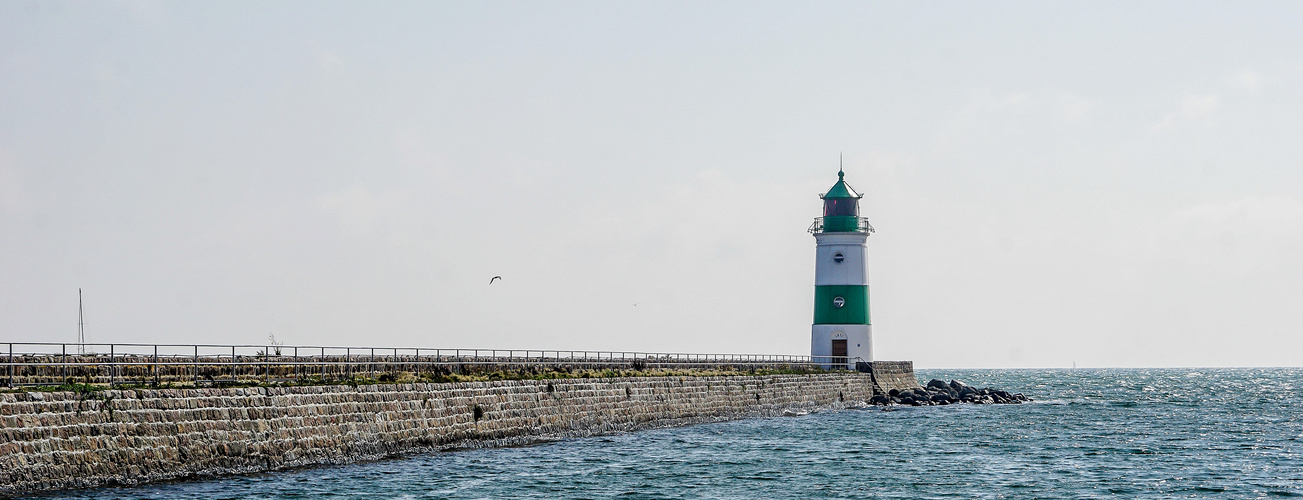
(861, 225)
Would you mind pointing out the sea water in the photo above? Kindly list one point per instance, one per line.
(1143, 433)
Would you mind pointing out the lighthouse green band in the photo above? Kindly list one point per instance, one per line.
(854, 312)
(841, 224)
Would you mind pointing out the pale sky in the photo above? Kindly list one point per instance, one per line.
(1110, 183)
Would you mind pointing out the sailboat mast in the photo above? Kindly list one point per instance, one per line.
(81, 325)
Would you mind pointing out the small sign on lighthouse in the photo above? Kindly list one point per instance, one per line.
(842, 333)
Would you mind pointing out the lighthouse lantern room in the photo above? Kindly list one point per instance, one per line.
(842, 333)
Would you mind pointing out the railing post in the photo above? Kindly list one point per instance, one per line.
(348, 360)
(196, 365)
(296, 364)
(11, 365)
(65, 362)
(155, 365)
(113, 369)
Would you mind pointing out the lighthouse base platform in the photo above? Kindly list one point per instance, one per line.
(888, 375)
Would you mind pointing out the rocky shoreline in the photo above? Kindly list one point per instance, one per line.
(938, 392)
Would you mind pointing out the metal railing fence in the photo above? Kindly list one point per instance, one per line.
(861, 225)
(40, 363)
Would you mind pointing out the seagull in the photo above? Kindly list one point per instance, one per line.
(494, 278)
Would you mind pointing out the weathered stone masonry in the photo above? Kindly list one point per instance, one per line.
(68, 440)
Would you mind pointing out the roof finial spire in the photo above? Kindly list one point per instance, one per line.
(840, 173)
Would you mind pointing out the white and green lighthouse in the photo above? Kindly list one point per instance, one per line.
(842, 332)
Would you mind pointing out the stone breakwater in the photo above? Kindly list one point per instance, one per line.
(939, 392)
(56, 440)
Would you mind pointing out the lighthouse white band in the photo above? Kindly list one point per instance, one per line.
(851, 269)
(859, 342)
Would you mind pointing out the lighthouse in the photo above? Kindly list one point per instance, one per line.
(842, 333)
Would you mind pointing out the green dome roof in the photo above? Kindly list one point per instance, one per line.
(841, 189)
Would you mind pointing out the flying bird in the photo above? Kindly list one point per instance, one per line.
(494, 278)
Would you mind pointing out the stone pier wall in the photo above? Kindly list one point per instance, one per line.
(58, 440)
(888, 375)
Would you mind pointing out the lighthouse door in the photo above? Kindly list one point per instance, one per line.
(839, 350)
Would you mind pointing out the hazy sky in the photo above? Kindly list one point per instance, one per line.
(1115, 184)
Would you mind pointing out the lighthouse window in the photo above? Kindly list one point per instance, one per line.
(838, 257)
(838, 301)
(841, 206)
